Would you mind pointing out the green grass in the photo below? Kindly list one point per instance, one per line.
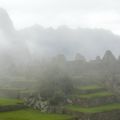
(32, 115)
(94, 87)
(103, 108)
(7, 101)
(96, 95)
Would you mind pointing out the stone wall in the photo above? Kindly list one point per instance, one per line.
(9, 93)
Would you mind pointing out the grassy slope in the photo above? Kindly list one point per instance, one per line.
(6, 101)
(31, 115)
(103, 108)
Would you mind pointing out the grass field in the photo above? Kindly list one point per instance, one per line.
(6, 101)
(103, 108)
(31, 115)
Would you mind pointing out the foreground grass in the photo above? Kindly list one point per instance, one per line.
(31, 115)
(6, 101)
(103, 108)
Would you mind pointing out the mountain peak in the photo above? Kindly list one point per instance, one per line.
(5, 21)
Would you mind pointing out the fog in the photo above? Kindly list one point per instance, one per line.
(60, 57)
(40, 41)
(23, 51)
(37, 42)
(52, 68)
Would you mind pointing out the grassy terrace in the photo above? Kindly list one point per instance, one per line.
(93, 95)
(96, 95)
(103, 108)
(32, 115)
(94, 87)
(6, 101)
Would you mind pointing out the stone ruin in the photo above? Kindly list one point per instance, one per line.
(36, 102)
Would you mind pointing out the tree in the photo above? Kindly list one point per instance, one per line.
(55, 85)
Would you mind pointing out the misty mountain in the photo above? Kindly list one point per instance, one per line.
(90, 42)
(13, 51)
(40, 41)
(19, 48)
(5, 22)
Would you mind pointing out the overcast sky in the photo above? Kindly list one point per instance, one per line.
(73, 13)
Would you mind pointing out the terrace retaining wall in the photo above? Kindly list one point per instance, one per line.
(91, 91)
(111, 115)
(12, 107)
(84, 102)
